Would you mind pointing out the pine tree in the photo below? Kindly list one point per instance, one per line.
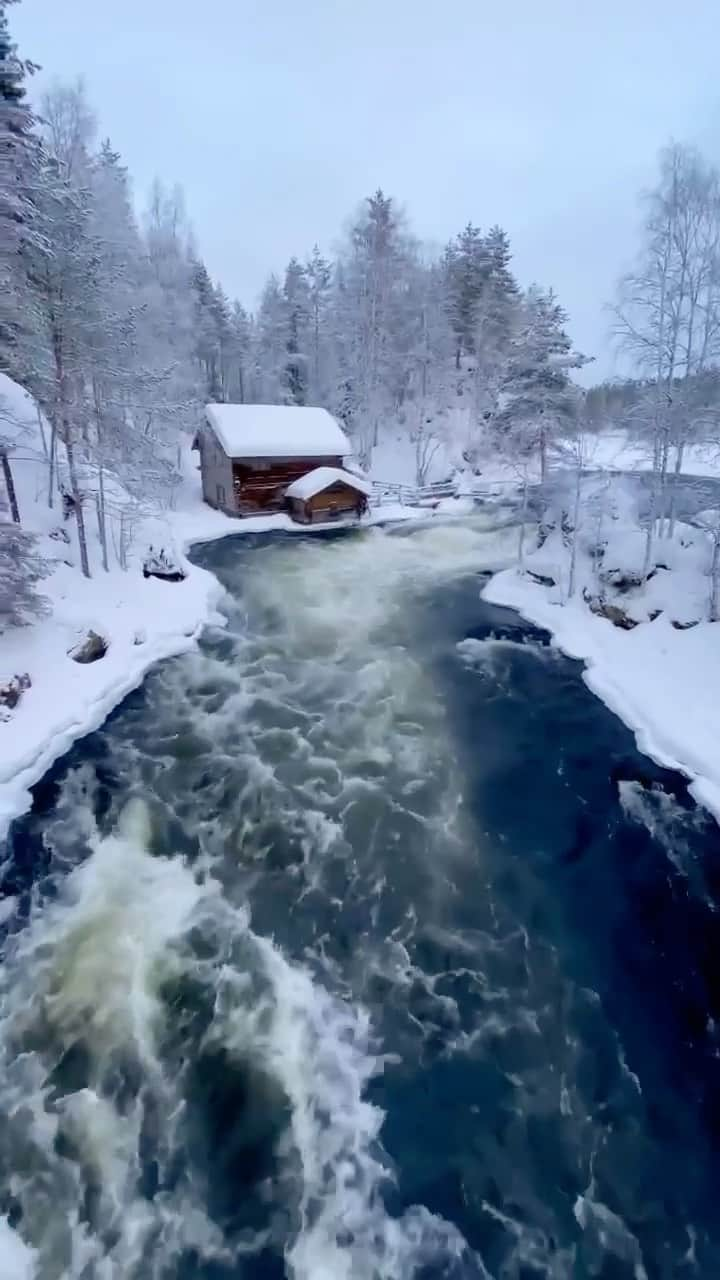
(467, 267)
(297, 302)
(238, 355)
(540, 401)
(21, 568)
(221, 313)
(271, 345)
(321, 363)
(208, 337)
(19, 161)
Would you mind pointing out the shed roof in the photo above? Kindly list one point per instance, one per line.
(322, 478)
(276, 431)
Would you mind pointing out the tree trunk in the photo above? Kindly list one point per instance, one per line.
(521, 531)
(576, 520)
(102, 528)
(41, 429)
(52, 462)
(79, 516)
(543, 455)
(10, 486)
(123, 535)
(673, 491)
(662, 497)
(652, 519)
(715, 578)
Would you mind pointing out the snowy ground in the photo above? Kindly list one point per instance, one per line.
(614, 450)
(393, 463)
(144, 620)
(664, 682)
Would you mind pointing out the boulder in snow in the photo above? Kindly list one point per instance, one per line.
(542, 579)
(612, 612)
(11, 691)
(90, 649)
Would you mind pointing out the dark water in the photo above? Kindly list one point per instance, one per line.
(362, 945)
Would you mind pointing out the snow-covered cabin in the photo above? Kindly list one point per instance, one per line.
(327, 493)
(251, 453)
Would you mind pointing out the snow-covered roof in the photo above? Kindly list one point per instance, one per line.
(322, 478)
(276, 431)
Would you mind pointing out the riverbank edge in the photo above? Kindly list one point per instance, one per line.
(168, 633)
(601, 648)
(19, 775)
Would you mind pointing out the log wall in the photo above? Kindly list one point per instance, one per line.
(260, 483)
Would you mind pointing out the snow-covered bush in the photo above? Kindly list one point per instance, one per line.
(162, 564)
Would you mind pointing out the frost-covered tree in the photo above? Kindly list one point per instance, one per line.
(271, 345)
(11, 434)
(539, 398)
(19, 162)
(431, 389)
(321, 364)
(372, 318)
(168, 303)
(238, 355)
(296, 292)
(206, 337)
(21, 568)
(212, 332)
(466, 272)
(668, 314)
(62, 282)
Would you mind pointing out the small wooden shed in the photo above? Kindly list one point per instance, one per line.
(327, 493)
(251, 453)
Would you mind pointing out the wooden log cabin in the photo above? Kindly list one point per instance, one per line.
(327, 493)
(251, 453)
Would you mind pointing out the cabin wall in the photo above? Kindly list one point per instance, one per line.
(217, 472)
(260, 483)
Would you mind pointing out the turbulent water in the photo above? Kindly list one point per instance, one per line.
(361, 945)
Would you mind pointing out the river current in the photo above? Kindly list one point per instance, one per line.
(361, 944)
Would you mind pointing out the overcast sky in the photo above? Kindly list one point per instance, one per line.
(278, 116)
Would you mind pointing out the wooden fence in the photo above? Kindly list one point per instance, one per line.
(426, 495)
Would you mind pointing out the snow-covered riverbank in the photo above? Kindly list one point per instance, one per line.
(662, 677)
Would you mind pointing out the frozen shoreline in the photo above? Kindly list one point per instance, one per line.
(661, 682)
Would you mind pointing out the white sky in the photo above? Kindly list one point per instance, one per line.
(278, 116)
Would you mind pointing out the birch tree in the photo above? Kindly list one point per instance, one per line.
(668, 313)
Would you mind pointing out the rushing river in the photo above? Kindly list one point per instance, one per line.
(361, 945)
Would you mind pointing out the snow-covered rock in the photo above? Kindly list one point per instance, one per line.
(90, 649)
